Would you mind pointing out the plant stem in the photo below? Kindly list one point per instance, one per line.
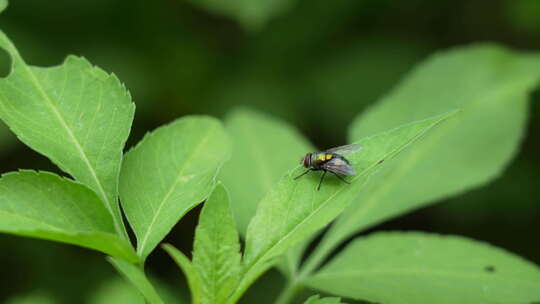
(317, 257)
(288, 293)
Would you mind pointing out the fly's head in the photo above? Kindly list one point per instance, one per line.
(306, 160)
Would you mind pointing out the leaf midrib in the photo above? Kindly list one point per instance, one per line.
(50, 226)
(213, 235)
(286, 236)
(73, 138)
(31, 219)
(412, 272)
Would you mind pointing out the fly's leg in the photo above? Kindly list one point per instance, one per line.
(307, 171)
(341, 178)
(322, 178)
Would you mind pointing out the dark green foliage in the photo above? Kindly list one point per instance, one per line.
(453, 124)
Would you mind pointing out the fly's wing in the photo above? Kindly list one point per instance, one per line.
(344, 150)
(339, 166)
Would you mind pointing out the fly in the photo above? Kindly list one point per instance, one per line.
(332, 161)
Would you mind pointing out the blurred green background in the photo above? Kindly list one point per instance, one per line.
(313, 63)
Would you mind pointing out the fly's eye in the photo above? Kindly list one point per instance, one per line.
(306, 160)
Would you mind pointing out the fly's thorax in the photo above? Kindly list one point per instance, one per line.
(320, 157)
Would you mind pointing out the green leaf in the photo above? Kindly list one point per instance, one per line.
(46, 206)
(192, 276)
(252, 14)
(318, 300)
(215, 270)
(136, 276)
(294, 209)
(216, 254)
(264, 149)
(418, 268)
(75, 114)
(491, 85)
(3, 5)
(169, 172)
(259, 161)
